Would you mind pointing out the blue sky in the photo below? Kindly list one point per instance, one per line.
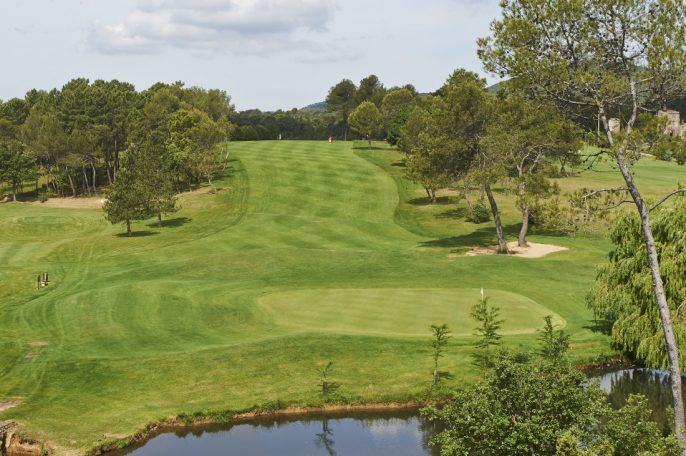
(265, 54)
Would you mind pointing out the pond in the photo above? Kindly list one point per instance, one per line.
(396, 434)
(653, 384)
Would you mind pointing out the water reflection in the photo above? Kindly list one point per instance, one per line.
(395, 434)
(653, 384)
(325, 438)
(399, 434)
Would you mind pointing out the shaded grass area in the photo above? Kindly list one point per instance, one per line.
(310, 252)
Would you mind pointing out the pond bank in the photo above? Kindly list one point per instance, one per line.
(201, 421)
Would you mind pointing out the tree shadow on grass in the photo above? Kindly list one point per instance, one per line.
(365, 147)
(425, 201)
(600, 326)
(171, 223)
(457, 213)
(399, 164)
(482, 237)
(134, 234)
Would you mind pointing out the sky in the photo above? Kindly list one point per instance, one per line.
(266, 54)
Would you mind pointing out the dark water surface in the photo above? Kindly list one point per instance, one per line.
(392, 434)
(653, 384)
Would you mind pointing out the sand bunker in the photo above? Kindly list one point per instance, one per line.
(73, 203)
(534, 250)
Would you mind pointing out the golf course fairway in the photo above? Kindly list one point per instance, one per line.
(308, 252)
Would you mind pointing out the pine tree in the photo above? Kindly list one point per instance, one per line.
(128, 198)
(487, 331)
(155, 168)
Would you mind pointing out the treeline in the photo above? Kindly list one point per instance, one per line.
(74, 140)
(380, 112)
(254, 125)
(331, 118)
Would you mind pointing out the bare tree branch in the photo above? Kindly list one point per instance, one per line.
(675, 192)
(604, 190)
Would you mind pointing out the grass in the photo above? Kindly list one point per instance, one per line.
(310, 252)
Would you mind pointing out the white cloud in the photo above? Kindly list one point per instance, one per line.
(241, 26)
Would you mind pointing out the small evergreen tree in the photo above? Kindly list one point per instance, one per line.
(554, 343)
(487, 331)
(438, 343)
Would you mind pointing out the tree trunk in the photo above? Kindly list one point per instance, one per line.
(86, 185)
(663, 307)
(502, 245)
(521, 241)
(128, 227)
(525, 228)
(71, 184)
(14, 196)
(116, 161)
(159, 219)
(94, 174)
(109, 176)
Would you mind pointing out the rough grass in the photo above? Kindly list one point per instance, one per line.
(222, 307)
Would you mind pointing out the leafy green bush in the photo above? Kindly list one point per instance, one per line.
(478, 213)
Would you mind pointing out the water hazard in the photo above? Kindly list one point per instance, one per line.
(395, 434)
(398, 434)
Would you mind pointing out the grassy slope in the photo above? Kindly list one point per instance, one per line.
(183, 318)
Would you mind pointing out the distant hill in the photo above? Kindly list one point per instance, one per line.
(316, 107)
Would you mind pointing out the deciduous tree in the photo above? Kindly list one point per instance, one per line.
(366, 119)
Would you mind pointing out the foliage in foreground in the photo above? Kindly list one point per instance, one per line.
(623, 296)
(534, 406)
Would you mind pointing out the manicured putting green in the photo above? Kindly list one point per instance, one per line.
(400, 311)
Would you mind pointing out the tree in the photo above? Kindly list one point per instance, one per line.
(327, 386)
(463, 112)
(128, 198)
(521, 140)
(341, 99)
(521, 408)
(554, 343)
(16, 166)
(370, 89)
(154, 165)
(194, 141)
(429, 164)
(395, 101)
(438, 344)
(487, 331)
(530, 406)
(442, 142)
(622, 295)
(396, 107)
(366, 119)
(607, 58)
(417, 122)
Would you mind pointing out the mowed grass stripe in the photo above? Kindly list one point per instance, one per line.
(174, 321)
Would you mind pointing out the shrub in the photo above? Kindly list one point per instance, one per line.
(478, 213)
